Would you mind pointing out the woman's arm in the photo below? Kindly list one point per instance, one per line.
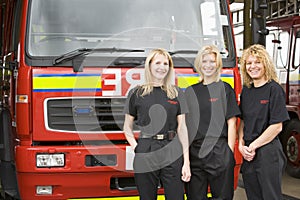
(241, 133)
(267, 136)
(128, 130)
(247, 153)
(183, 137)
(231, 132)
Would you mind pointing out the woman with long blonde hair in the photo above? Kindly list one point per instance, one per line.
(161, 151)
(151, 81)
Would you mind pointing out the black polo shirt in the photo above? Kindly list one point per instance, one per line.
(210, 107)
(261, 107)
(155, 113)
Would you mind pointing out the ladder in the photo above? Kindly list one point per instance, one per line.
(282, 8)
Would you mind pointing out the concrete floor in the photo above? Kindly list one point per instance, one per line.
(290, 189)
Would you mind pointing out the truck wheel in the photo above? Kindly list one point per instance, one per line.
(291, 146)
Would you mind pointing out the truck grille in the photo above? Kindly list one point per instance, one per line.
(86, 114)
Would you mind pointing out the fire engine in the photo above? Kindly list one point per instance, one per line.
(283, 44)
(66, 69)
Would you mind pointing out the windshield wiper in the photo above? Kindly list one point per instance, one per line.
(79, 53)
(124, 62)
(85, 51)
(183, 52)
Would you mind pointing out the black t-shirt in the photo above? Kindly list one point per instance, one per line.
(155, 113)
(210, 106)
(261, 107)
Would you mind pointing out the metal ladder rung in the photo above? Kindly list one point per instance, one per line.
(283, 8)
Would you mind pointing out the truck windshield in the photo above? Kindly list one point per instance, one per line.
(57, 27)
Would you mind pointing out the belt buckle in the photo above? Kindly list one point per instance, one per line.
(160, 136)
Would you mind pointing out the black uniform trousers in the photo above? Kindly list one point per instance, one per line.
(155, 161)
(216, 170)
(262, 176)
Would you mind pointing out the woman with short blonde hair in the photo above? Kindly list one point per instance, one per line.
(211, 124)
(210, 49)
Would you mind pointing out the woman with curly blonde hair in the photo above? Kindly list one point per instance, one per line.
(263, 113)
(263, 57)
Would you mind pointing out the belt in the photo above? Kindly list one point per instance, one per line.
(161, 136)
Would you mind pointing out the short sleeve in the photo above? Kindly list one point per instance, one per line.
(278, 111)
(233, 109)
(130, 103)
(182, 102)
(242, 102)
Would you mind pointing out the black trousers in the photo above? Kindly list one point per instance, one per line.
(262, 176)
(158, 161)
(216, 170)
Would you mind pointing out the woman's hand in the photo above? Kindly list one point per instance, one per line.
(186, 172)
(247, 153)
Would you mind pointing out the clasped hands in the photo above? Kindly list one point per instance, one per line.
(248, 153)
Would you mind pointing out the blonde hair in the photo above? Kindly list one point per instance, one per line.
(167, 86)
(262, 55)
(209, 49)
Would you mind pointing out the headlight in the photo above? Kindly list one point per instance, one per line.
(50, 160)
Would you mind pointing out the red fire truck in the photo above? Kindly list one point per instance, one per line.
(283, 43)
(66, 69)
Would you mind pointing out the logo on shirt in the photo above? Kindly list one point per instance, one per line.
(213, 99)
(263, 102)
(173, 102)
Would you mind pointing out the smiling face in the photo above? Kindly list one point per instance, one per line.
(255, 69)
(209, 67)
(159, 68)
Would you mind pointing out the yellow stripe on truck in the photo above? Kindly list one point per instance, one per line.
(160, 197)
(186, 80)
(229, 80)
(61, 82)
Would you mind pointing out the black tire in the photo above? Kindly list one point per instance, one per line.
(290, 139)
